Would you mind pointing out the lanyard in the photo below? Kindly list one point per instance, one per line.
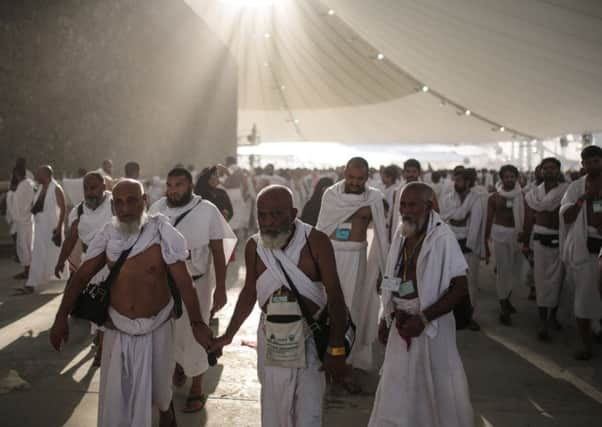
(403, 258)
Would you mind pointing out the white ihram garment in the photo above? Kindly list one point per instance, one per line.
(45, 253)
(548, 269)
(360, 290)
(201, 225)
(290, 397)
(425, 385)
(581, 265)
(20, 213)
(138, 355)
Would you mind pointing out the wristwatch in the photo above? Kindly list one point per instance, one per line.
(336, 351)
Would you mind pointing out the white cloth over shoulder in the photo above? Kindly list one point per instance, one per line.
(290, 397)
(453, 208)
(19, 210)
(517, 197)
(425, 385)
(540, 201)
(273, 278)
(92, 220)
(202, 224)
(74, 190)
(439, 261)
(157, 230)
(573, 237)
(45, 253)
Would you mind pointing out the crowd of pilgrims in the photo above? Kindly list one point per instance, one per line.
(542, 229)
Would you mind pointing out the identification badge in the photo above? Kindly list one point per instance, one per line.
(406, 288)
(279, 298)
(343, 231)
(391, 283)
(509, 203)
(597, 206)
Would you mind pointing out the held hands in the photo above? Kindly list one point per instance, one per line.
(383, 332)
(217, 344)
(59, 332)
(202, 333)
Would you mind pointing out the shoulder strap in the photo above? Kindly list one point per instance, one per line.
(183, 215)
(114, 271)
(80, 210)
(313, 324)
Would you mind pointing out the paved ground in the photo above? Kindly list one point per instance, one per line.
(514, 380)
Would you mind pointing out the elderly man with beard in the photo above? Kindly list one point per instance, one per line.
(463, 210)
(542, 219)
(210, 242)
(422, 382)
(289, 370)
(85, 221)
(581, 243)
(138, 350)
(349, 207)
(505, 217)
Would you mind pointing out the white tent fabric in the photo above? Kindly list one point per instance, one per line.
(306, 74)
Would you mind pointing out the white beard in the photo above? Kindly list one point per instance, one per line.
(274, 242)
(409, 228)
(130, 228)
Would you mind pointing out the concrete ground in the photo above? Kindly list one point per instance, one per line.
(515, 381)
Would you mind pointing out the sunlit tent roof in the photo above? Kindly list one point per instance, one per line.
(432, 71)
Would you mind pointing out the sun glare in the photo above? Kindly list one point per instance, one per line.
(249, 3)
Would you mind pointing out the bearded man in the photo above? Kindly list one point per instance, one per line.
(86, 220)
(422, 382)
(289, 370)
(138, 350)
(210, 241)
(349, 207)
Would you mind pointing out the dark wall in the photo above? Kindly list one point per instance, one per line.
(84, 80)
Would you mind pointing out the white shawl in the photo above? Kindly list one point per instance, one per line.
(539, 200)
(452, 208)
(518, 204)
(439, 261)
(338, 206)
(92, 220)
(202, 224)
(573, 237)
(273, 278)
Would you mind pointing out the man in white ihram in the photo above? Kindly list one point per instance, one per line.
(348, 208)
(138, 350)
(423, 383)
(20, 213)
(210, 240)
(49, 214)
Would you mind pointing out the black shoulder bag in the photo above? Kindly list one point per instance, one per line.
(93, 302)
(173, 288)
(320, 328)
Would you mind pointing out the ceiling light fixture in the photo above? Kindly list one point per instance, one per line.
(425, 88)
(467, 113)
(331, 12)
(380, 56)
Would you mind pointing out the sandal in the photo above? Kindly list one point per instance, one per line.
(189, 408)
(172, 417)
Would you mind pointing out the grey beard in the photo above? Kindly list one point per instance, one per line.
(409, 227)
(130, 228)
(94, 203)
(275, 242)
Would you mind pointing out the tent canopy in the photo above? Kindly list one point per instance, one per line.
(401, 71)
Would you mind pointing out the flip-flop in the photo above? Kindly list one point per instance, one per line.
(195, 398)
